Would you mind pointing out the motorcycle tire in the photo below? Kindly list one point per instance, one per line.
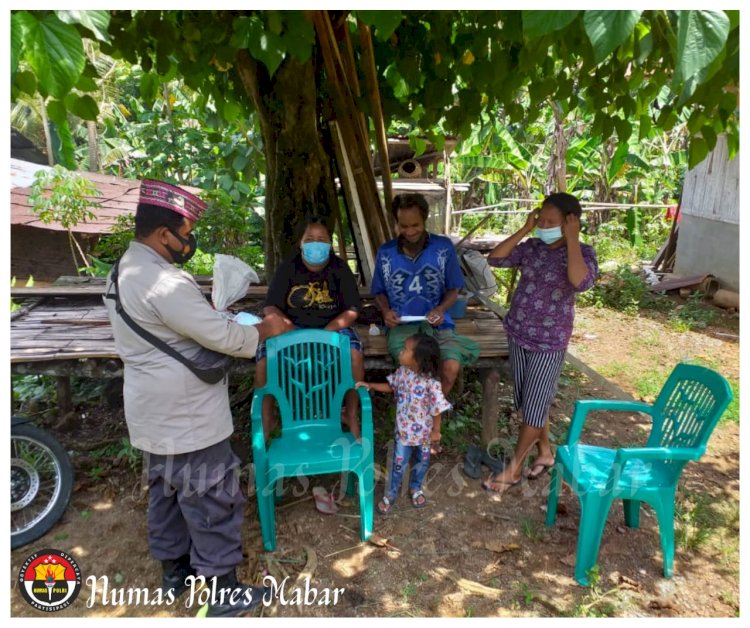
(41, 483)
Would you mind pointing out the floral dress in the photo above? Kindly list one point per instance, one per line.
(418, 399)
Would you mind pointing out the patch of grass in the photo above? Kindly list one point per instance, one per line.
(649, 383)
(596, 603)
(410, 590)
(695, 520)
(531, 529)
(695, 314)
(622, 290)
(614, 369)
(525, 594)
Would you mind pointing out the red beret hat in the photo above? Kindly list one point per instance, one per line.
(172, 197)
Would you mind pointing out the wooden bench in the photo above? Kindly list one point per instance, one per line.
(66, 332)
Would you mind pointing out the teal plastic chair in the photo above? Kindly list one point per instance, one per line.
(309, 373)
(683, 417)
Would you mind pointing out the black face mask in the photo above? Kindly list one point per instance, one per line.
(178, 257)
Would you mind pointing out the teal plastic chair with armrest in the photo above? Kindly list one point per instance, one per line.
(309, 374)
(683, 417)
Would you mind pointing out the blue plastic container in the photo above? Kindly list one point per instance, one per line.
(458, 309)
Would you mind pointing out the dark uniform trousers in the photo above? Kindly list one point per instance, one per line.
(196, 507)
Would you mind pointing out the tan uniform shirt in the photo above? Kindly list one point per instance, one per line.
(167, 408)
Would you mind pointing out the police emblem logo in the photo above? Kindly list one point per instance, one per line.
(175, 200)
(50, 580)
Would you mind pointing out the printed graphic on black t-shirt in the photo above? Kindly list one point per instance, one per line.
(315, 294)
(313, 299)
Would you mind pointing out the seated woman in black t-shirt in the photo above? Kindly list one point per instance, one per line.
(314, 288)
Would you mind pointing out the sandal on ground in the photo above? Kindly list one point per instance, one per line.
(384, 506)
(418, 499)
(537, 470)
(499, 486)
(324, 501)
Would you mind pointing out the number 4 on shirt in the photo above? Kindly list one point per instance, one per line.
(415, 286)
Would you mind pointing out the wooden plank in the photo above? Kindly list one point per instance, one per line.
(97, 289)
(64, 331)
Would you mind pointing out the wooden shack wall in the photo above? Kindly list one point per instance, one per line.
(43, 253)
(708, 237)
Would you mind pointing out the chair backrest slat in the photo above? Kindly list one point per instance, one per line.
(310, 370)
(688, 407)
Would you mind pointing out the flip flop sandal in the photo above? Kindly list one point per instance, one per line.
(416, 502)
(384, 506)
(544, 469)
(324, 502)
(486, 485)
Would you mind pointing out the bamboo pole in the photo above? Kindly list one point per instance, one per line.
(368, 60)
(345, 109)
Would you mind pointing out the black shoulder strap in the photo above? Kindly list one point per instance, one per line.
(146, 335)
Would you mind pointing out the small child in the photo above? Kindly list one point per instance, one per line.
(419, 404)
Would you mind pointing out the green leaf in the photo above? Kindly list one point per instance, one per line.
(701, 36)
(644, 127)
(16, 42)
(384, 22)
(149, 87)
(269, 49)
(633, 225)
(274, 21)
(67, 145)
(84, 107)
(697, 151)
(54, 51)
(57, 112)
(26, 82)
(608, 29)
(418, 145)
(95, 21)
(300, 36)
(86, 84)
(231, 111)
(540, 23)
(709, 135)
(239, 163)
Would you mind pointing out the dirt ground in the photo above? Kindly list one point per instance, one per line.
(467, 554)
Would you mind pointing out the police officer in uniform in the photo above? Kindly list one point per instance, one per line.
(181, 423)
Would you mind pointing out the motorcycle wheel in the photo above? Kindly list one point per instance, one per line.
(41, 481)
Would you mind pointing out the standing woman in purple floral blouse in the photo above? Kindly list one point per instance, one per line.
(554, 266)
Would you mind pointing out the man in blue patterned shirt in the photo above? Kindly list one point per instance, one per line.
(417, 274)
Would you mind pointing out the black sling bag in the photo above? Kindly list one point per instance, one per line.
(209, 366)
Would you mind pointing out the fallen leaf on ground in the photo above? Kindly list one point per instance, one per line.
(629, 583)
(496, 546)
(379, 541)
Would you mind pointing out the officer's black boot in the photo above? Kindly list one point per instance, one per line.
(174, 573)
(231, 598)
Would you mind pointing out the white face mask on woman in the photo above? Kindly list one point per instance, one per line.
(548, 236)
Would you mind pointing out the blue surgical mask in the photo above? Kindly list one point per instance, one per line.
(548, 236)
(316, 253)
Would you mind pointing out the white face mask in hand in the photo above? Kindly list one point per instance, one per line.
(548, 236)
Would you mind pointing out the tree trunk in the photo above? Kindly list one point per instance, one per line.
(557, 167)
(47, 136)
(93, 140)
(299, 180)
